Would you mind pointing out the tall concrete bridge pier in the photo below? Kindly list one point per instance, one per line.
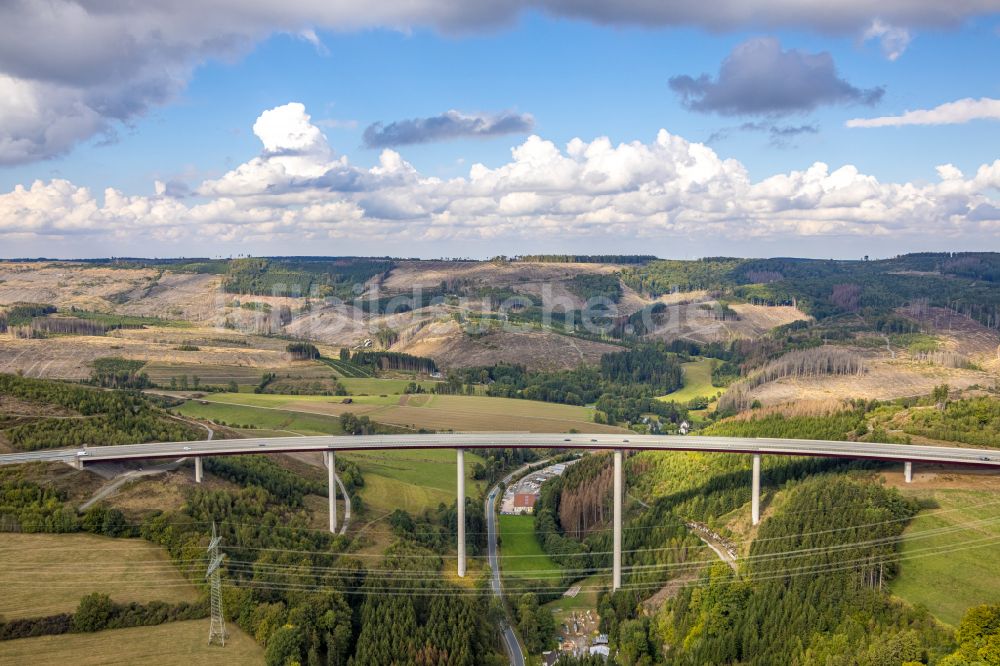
(329, 445)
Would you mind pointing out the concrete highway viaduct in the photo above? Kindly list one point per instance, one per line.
(617, 443)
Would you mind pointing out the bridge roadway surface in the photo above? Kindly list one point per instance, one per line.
(751, 445)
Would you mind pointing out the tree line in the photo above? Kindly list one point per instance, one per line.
(97, 612)
(581, 258)
(387, 360)
(119, 373)
(302, 351)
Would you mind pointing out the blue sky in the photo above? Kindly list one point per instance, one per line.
(576, 78)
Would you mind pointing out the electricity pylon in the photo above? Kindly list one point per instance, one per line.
(217, 630)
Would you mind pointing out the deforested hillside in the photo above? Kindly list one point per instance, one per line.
(816, 362)
(915, 321)
(452, 346)
(452, 276)
(57, 414)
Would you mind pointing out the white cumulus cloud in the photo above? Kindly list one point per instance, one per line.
(296, 189)
(951, 113)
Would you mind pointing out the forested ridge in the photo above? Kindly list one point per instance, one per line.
(318, 277)
(102, 418)
(826, 288)
(812, 590)
(307, 601)
(813, 587)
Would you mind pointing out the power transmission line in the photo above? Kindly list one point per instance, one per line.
(217, 629)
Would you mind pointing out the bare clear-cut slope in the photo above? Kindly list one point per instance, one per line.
(67, 284)
(697, 318)
(70, 357)
(448, 344)
(431, 274)
(884, 380)
(960, 334)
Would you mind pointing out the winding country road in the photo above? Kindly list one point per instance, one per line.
(120, 479)
(511, 645)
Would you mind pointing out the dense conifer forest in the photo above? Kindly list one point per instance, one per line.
(96, 418)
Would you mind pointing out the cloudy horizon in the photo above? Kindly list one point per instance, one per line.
(764, 128)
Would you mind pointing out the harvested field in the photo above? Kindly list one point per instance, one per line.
(170, 644)
(438, 412)
(126, 569)
(201, 336)
(244, 375)
(283, 421)
(372, 386)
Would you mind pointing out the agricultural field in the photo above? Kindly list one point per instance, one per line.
(948, 553)
(281, 422)
(411, 480)
(697, 382)
(170, 644)
(126, 569)
(372, 386)
(521, 556)
(437, 412)
(243, 375)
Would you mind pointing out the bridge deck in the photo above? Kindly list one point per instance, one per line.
(748, 445)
